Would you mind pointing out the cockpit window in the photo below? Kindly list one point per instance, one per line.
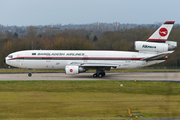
(10, 56)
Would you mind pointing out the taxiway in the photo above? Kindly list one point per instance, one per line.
(130, 76)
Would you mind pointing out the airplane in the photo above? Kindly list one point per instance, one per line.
(152, 51)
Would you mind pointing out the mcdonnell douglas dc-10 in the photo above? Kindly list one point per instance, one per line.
(152, 51)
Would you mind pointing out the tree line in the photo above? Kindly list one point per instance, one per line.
(81, 39)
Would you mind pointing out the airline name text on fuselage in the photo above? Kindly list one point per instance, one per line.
(61, 54)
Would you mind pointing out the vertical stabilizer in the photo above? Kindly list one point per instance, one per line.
(162, 33)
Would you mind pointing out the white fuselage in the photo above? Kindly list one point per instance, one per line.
(154, 50)
(58, 59)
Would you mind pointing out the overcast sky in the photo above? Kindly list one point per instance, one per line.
(46, 12)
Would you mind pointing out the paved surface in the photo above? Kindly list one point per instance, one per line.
(148, 76)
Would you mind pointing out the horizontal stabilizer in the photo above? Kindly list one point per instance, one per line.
(158, 56)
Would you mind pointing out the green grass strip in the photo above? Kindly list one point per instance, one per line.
(85, 100)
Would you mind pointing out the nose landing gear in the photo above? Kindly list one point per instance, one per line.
(29, 74)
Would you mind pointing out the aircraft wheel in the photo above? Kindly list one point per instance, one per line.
(29, 74)
(94, 75)
(103, 73)
(100, 75)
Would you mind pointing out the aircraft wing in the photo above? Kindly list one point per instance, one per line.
(108, 66)
(99, 64)
(158, 56)
(96, 65)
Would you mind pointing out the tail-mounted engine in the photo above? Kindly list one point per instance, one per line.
(142, 46)
(74, 69)
(171, 45)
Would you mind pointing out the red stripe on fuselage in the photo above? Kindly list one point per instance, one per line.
(79, 58)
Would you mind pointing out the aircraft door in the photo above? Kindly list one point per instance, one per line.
(48, 59)
(133, 59)
(85, 58)
(20, 59)
(48, 62)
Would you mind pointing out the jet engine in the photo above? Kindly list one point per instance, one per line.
(171, 45)
(74, 69)
(142, 46)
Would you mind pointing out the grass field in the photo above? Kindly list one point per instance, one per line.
(85, 100)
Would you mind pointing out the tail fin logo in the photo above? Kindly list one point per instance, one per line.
(163, 32)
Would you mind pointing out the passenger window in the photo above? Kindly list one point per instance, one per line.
(10, 56)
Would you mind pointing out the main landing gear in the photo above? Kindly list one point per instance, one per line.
(29, 74)
(99, 74)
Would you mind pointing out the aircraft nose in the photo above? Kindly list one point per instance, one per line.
(4, 60)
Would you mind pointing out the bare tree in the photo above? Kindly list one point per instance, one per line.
(31, 34)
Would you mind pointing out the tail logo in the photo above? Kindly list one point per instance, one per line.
(163, 32)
